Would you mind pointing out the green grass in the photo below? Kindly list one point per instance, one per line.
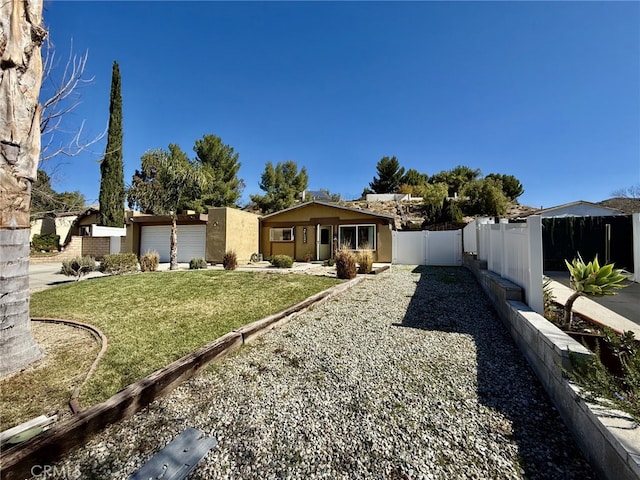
(152, 319)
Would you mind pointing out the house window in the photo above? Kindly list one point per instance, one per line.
(281, 234)
(357, 237)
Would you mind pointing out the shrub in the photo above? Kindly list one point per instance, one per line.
(345, 264)
(230, 260)
(119, 263)
(197, 263)
(48, 242)
(365, 260)
(149, 261)
(282, 261)
(329, 263)
(78, 266)
(600, 385)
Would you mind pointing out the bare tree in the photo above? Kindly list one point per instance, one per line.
(61, 87)
(21, 36)
(631, 192)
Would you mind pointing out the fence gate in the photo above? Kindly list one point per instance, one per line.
(427, 248)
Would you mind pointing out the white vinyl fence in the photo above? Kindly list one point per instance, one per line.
(514, 251)
(427, 248)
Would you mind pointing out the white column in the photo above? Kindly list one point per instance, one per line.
(636, 246)
(534, 293)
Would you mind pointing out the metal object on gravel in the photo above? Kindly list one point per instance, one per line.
(178, 458)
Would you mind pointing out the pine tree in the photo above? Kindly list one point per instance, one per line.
(112, 194)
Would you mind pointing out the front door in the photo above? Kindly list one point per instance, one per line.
(324, 242)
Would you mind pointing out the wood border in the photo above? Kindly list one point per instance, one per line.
(53, 444)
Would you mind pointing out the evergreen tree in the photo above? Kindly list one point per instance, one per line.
(511, 186)
(282, 185)
(390, 176)
(220, 163)
(456, 178)
(485, 197)
(112, 194)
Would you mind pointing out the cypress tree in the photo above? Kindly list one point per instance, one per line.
(112, 194)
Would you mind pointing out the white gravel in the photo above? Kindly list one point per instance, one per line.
(407, 375)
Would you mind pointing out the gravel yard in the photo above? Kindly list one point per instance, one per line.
(407, 375)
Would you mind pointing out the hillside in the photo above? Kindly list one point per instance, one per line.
(410, 213)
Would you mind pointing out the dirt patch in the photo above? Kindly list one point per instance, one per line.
(44, 387)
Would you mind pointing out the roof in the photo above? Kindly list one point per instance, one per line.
(330, 205)
(626, 204)
(578, 209)
(199, 217)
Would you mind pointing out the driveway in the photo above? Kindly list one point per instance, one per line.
(45, 275)
(407, 375)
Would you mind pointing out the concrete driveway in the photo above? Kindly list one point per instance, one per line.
(45, 275)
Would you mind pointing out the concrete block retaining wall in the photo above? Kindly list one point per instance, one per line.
(609, 439)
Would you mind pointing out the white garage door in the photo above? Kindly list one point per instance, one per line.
(191, 241)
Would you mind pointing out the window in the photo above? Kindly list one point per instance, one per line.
(357, 237)
(281, 234)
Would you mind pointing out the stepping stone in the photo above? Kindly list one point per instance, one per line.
(178, 458)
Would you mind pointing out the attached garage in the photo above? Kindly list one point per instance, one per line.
(207, 236)
(192, 241)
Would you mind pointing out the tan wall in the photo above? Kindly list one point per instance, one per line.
(242, 233)
(282, 248)
(96, 247)
(231, 229)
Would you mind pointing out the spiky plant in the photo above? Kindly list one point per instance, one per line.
(591, 279)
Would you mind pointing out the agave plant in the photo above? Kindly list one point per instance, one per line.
(591, 279)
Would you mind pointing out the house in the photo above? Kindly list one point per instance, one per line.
(578, 209)
(207, 236)
(66, 225)
(315, 230)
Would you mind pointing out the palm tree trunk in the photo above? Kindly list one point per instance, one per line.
(173, 247)
(20, 79)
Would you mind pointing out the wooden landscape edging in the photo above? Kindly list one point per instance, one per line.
(51, 445)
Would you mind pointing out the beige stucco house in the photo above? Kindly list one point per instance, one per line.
(315, 230)
(206, 236)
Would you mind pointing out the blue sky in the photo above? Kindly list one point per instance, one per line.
(546, 91)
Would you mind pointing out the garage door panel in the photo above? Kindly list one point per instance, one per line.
(191, 241)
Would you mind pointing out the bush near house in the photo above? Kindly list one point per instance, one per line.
(197, 264)
(345, 264)
(230, 260)
(48, 242)
(365, 260)
(78, 266)
(119, 263)
(149, 262)
(282, 261)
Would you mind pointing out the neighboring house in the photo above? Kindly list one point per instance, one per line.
(207, 236)
(315, 230)
(578, 209)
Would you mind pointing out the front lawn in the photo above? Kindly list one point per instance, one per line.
(152, 319)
